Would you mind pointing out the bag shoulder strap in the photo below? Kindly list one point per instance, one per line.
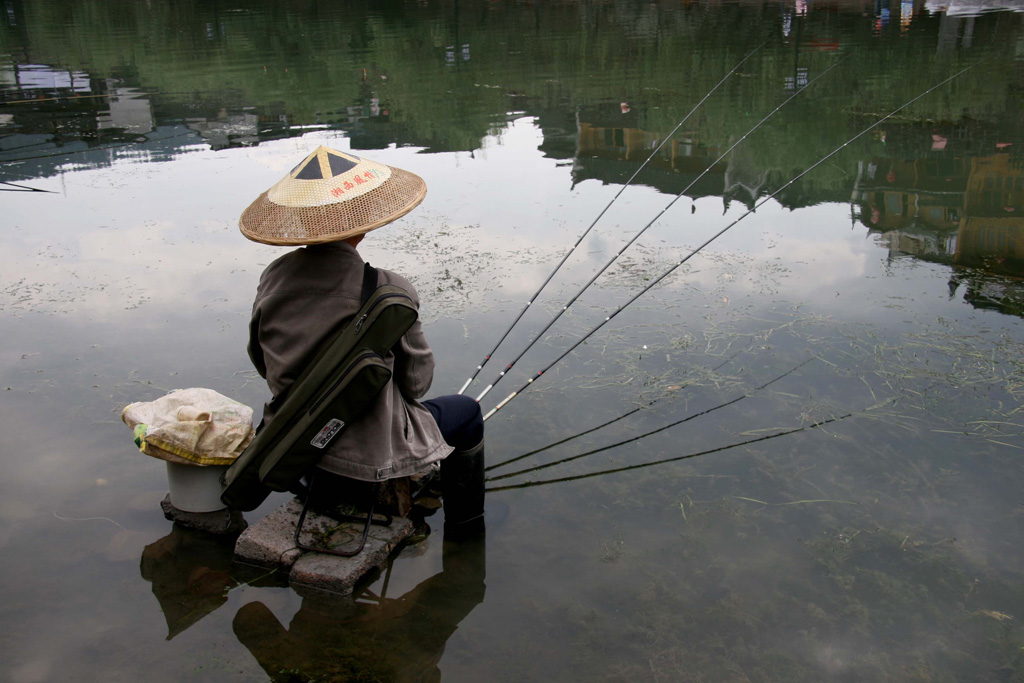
(369, 283)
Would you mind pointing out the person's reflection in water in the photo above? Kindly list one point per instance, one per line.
(399, 639)
(190, 573)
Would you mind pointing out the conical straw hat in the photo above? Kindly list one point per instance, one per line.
(331, 196)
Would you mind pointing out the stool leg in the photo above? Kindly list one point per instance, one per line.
(329, 551)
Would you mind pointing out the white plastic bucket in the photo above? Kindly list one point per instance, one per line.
(194, 488)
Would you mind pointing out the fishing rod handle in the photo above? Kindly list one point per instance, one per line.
(501, 405)
(484, 392)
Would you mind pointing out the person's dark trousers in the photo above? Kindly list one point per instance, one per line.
(459, 419)
(462, 472)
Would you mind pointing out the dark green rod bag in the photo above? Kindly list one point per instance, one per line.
(337, 386)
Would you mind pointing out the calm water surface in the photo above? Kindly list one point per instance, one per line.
(818, 472)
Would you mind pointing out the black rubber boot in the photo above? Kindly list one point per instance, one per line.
(462, 489)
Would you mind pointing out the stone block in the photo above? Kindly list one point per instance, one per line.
(226, 521)
(271, 543)
(340, 574)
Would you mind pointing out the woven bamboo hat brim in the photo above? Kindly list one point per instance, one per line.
(331, 196)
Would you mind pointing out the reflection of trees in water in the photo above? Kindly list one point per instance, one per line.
(449, 74)
(605, 82)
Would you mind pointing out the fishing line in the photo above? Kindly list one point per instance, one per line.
(600, 215)
(718, 234)
(645, 228)
(650, 433)
(600, 426)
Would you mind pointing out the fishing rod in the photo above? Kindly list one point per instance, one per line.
(600, 215)
(650, 433)
(639, 466)
(600, 426)
(646, 227)
(14, 187)
(718, 234)
(719, 449)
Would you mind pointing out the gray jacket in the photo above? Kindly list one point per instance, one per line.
(301, 298)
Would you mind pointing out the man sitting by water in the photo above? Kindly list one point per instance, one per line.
(328, 202)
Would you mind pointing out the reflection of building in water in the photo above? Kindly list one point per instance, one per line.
(612, 154)
(953, 30)
(610, 145)
(631, 144)
(127, 109)
(963, 211)
(971, 8)
(898, 193)
(796, 81)
(882, 13)
(932, 246)
(51, 119)
(996, 244)
(991, 233)
(743, 180)
(38, 99)
(906, 14)
(607, 144)
(996, 186)
(228, 129)
(32, 81)
(972, 207)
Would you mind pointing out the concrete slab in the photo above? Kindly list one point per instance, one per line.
(270, 543)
